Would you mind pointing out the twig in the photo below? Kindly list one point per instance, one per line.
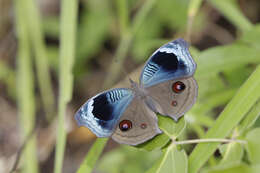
(20, 151)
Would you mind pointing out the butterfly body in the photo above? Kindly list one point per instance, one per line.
(166, 86)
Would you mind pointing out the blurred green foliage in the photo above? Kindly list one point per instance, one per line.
(228, 77)
(124, 159)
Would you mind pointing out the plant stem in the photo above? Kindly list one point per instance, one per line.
(25, 91)
(125, 43)
(33, 21)
(193, 141)
(69, 11)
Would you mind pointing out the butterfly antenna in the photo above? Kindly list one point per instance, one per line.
(128, 76)
(131, 81)
(125, 73)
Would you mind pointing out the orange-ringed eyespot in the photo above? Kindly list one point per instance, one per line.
(125, 125)
(178, 87)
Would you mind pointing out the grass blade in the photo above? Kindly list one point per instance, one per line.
(221, 58)
(125, 43)
(230, 10)
(141, 15)
(237, 108)
(25, 91)
(89, 162)
(250, 118)
(253, 143)
(122, 8)
(193, 9)
(36, 37)
(67, 52)
(116, 64)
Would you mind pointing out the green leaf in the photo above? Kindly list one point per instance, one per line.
(69, 10)
(90, 160)
(253, 148)
(232, 152)
(237, 108)
(36, 36)
(53, 55)
(155, 143)
(199, 112)
(171, 130)
(143, 43)
(235, 77)
(133, 159)
(50, 26)
(230, 9)
(233, 168)
(93, 29)
(251, 37)
(171, 161)
(255, 168)
(25, 91)
(229, 168)
(220, 58)
(177, 21)
(125, 42)
(194, 7)
(123, 15)
(250, 119)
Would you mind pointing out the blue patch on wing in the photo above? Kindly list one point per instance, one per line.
(102, 112)
(169, 62)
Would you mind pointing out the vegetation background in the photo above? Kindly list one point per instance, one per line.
(54, 55)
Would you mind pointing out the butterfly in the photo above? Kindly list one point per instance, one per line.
(166, 86)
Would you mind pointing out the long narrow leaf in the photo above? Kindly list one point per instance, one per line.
(33, 22)
(237, 108)
(251, 118)
(193, 9)
(126, 41)
(67, 51)
(89, 163)
(229, 9)
(122, 8)
(26, 100)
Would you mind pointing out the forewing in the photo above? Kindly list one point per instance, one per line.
(143, 122)
(167, 100)
(169, 62)
(101, 113)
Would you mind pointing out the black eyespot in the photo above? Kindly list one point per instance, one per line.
(125, 125)
(178, 87)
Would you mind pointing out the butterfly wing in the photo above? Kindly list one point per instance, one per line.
(101, 113)
(169, 62)
(137, 124)
(173, 98)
